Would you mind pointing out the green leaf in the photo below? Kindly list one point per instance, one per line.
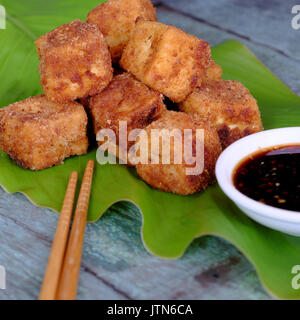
(170, 222)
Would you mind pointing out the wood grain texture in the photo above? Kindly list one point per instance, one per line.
(115, 264)
(265, 22)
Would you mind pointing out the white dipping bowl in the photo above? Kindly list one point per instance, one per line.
(286, 221)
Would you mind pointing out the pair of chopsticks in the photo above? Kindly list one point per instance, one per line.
(61, 276)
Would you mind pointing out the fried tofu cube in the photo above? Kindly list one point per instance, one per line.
(172, 176)
(38, 133)
(213, 72)
(74, 62)
(126, 99)
(166, 58)
(229, 106)
(116, 20)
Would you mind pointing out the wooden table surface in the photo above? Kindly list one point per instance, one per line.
(115, 264)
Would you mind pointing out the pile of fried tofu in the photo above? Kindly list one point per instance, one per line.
(123, 65)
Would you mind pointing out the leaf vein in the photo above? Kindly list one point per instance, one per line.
(19, 25)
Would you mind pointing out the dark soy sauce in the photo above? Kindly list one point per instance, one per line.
(271, 176)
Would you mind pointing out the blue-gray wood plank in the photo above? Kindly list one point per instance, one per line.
(115, 264)
(262, 25)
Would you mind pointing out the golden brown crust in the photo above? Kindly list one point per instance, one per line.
(116, 20)
(74, 62)
(38, 133)
(213, 72)
(126, 99)
(229, 106)
(166, 58)
(172, 177)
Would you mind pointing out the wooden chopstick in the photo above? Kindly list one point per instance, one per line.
(55, 262)
(67, 287)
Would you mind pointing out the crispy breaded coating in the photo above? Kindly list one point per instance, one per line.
(38, 133)
(74, 62)
(213, 72)
(166, 58)
(229, 106)
(173, 177)
(126, 99)
(116, 20)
